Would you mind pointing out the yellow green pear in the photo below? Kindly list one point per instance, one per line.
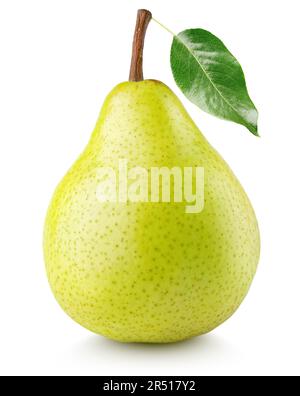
(149, 271)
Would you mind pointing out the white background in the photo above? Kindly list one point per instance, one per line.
(58, 61)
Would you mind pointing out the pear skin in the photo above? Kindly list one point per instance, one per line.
(149, 271)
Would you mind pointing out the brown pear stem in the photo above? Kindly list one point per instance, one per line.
(136, 68)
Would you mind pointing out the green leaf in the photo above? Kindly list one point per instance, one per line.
(211, 77)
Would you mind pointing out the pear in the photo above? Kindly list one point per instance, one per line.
(149, 271)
